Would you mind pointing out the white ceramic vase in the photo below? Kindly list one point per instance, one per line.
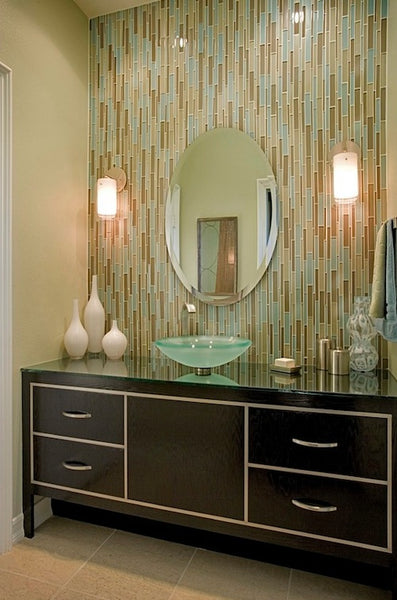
(94, 319)
(76, 337)
(114, 343)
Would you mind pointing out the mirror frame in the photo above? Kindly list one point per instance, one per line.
(270, 234)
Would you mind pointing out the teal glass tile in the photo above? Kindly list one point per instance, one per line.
(308, 106)
(378, 116)
(308, 49)
(320, 15)
(284, 47)
(370, 65)
(383, 171)
(287, 328)
(345, 32)
(273, 10)
(285, 134)
(346, 97)
(309, 205)
(357, 132)
(262, 28)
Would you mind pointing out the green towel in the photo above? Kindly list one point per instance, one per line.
(387, 325)
(377, 308)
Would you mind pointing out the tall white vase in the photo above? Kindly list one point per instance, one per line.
(114, 343)
(94, 319)
(76, 337)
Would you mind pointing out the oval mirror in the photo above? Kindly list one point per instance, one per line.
(221, 216)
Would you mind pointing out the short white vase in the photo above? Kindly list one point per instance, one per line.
(76, 337)
(114, 343)
(94, 319)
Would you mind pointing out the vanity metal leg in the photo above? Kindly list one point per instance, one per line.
(28, 518)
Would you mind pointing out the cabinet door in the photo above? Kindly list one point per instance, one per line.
(187, 455)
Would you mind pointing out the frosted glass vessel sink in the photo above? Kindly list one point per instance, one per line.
(203, 351)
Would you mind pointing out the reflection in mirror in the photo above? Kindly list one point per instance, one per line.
(217, 255)
(222, 173)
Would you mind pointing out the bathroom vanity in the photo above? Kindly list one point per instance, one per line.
(305, 462)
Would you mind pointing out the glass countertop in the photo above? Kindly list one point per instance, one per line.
(236, 373)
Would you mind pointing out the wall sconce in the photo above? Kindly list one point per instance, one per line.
(179, 43)
(345, 159)
(108, 188)
(298, 18)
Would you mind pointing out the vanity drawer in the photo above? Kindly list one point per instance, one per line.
(77, 465)
(323, 442)
(348, 510)
(79, 414)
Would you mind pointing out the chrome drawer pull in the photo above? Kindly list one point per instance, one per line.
(314, 506)
(314, 444)
(76, 466)
(76, 414)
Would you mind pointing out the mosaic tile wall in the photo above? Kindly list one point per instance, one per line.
(297, 90)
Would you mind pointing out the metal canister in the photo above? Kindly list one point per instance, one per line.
(339, 362)
(323, 348)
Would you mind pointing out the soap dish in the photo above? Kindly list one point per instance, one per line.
(288, 370)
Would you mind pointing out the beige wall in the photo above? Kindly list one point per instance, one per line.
(392, 139)
(45, 45)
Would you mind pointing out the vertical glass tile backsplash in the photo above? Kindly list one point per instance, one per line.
(296, 95)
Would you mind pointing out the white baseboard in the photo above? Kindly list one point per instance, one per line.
(17, 529)
(42, 512)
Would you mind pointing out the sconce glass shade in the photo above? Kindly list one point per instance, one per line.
(106, 197)
(345, 167)
(179, 43)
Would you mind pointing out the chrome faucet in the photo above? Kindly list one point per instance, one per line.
(187, 319)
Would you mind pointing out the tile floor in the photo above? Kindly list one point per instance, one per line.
(69, 560)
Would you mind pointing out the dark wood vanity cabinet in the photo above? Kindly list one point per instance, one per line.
(305, 471)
